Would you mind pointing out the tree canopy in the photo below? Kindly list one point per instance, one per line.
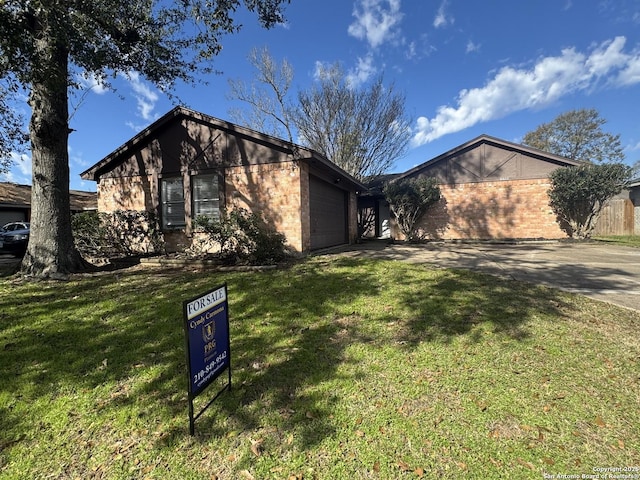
(363, 129)
(12, 136)
(267, 94)
(577, 135)
(578, 194)
(44, 42)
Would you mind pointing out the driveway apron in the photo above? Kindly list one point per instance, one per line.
(597, 270)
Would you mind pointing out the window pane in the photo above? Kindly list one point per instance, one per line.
(172, 202)
(206, 196)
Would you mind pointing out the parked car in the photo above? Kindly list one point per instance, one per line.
(14, 238)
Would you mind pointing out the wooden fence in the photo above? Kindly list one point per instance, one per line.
(617, 218)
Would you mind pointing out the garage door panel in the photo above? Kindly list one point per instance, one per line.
(328, 209)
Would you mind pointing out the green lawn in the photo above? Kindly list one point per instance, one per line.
(342, 368)
(627, 240)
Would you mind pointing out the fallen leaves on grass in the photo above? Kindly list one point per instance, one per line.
(256, 447)
(525, 464)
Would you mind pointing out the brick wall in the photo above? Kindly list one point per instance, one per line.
(279, 191)
(274, 190)
(516, 209)
(126, 193)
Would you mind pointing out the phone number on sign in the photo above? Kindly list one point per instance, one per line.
(206, 373)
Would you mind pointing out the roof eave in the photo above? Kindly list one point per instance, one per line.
(494, 140)
(93, 172)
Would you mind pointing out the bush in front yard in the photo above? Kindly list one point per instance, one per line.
(409, 199)
(124, 232)
(242, 237)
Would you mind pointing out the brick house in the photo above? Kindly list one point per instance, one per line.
(188, 164)
(491, 189)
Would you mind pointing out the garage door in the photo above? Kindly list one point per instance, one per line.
(7, 216)
(328, 209)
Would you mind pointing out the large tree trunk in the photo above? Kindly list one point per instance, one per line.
(51, 251)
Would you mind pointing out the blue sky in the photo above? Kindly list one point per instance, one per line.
(466, 68)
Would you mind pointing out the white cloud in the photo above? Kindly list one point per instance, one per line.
(94, 82)
(376, 21)
(442, 18)
(630, 74)
(472, 47)
(633, 148)
(75, 158)
(606, 57)
(20, 172)
(145, 96)
(363, 71)
(512, 90)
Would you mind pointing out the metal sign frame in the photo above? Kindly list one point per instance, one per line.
(208, 346)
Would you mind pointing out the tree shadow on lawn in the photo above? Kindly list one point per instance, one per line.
(289, 332)
(288, 388)
(459, 300)
(288, 338)
(81, 335)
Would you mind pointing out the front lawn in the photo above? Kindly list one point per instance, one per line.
(625, 240)
(342, 368)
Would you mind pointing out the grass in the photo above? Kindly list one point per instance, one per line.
(626, 240)
(342, 368)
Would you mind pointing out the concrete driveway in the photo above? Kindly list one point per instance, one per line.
(601, 271)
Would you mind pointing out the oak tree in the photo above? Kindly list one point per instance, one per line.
(577, 135)
(44, 42)
(578, 194)
(13, 138)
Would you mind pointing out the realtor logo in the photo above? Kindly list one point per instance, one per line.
(209, 331)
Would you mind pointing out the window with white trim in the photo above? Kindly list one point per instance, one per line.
(205, 195)
(173, 215)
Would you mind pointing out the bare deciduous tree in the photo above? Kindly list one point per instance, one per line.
(364, 131)
(266, 94)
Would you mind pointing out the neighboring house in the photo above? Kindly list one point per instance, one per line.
(15, 202)
(491, 189)
(188, 164)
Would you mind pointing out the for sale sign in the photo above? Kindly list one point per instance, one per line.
(207, 335)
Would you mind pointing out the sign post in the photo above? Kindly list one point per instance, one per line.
(206, 327)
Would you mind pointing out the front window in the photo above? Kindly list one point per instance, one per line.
(172, 203)
(206, 196)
